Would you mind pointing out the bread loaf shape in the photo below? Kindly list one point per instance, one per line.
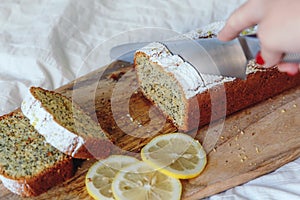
(183, 96)
(65, 125)
(29, 165)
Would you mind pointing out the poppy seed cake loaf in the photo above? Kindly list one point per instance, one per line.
(28, 165)
(190, 100)
(65, 125)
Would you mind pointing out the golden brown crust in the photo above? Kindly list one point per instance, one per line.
(240, 94)
(38, 182)
(228, 97)
(34, 186)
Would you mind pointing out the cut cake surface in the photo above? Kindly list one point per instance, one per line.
(29, 165)
(65, 125)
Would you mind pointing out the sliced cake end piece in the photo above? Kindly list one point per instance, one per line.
(65, 125)
(29, 165)
(168, 81)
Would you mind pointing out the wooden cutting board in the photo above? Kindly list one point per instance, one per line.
(253, 142)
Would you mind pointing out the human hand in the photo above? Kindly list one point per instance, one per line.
(278, 29)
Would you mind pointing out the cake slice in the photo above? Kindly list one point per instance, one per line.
(190, 100)
(29, 165)
(65, 125)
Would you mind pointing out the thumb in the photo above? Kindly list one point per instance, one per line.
(290, 68)
(270, 57)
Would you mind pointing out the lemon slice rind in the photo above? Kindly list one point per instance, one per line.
(177, 155)
(141, 181)
(111, 164)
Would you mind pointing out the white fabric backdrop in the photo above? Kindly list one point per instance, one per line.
(45, 42)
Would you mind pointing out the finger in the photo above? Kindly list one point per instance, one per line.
(246, 16)
(270, 57)
(289, 68)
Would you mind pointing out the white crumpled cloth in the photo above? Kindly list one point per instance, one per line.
(49, 43)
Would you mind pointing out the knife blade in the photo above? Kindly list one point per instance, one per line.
(208, 56)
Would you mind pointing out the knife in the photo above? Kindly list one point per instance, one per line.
(208, 56)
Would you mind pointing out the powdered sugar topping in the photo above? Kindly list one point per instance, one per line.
(54, 133)
(190, 80)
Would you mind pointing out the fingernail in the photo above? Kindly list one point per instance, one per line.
(291, 74)
(259, 59)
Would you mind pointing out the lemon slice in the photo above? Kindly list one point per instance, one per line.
(177, 155)
(140, 181)
(101, 174)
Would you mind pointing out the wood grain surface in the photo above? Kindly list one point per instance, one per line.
(248, 144)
